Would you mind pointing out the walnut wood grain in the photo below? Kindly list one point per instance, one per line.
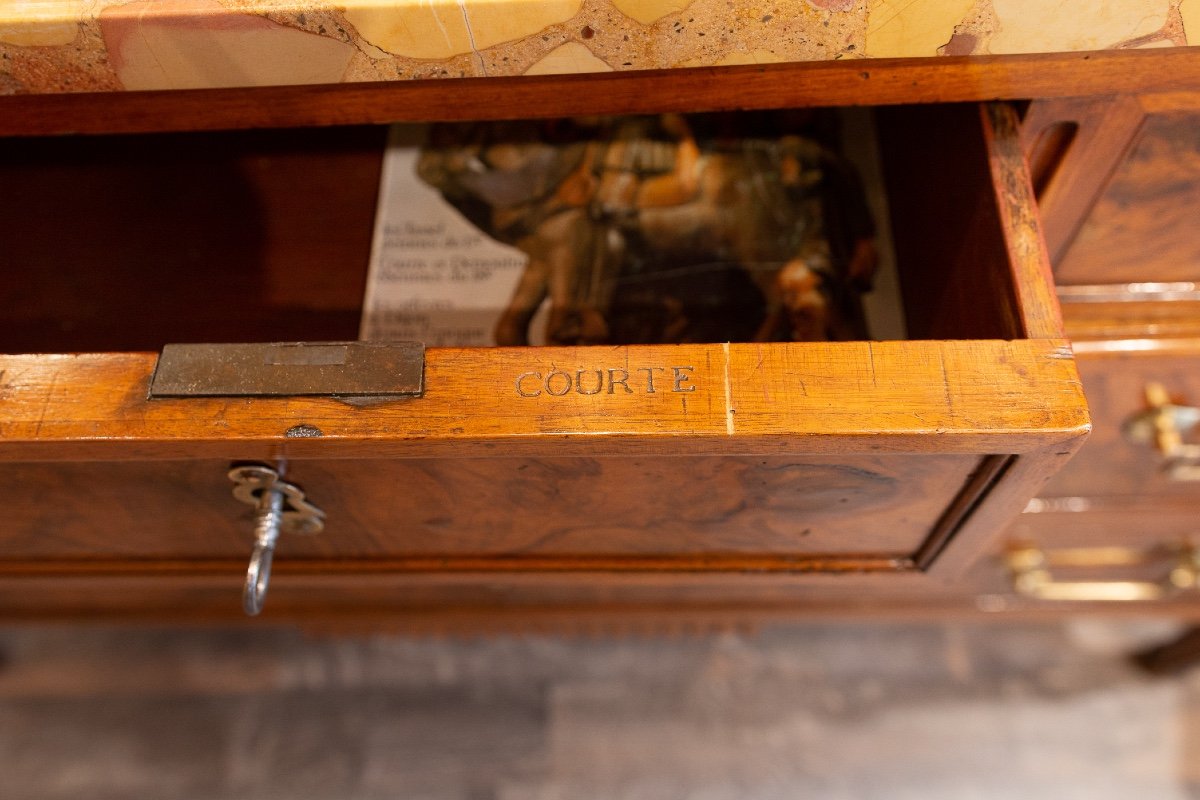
(349, 602)
(601, 604)
(514, 513)
(846, 82)
(934, 444)
(1098, 132)
(848, 397)
(1142, 226)
(1115, 381)
(971, 234)
(1092, 325)
(128, 243)
(1020, 224)
(1108, 520)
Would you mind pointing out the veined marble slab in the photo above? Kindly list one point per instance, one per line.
(51, 46)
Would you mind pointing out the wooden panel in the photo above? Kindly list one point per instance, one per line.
(847, 82)
(350, 602)
(345, 603)
(1143, 227)
(1117, 520)
(520, 509)
(1075, 144)
(1115, 383)
(974, 397)
(971, 247)
(1130, 318)
(128, 243)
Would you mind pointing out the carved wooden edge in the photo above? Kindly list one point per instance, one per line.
(946, 535)
(805, 84)
(1033, 279)
(993, 503)
(378, 604)
(1147, 325)
(848, 397)
(466, 566)
(1187, 346)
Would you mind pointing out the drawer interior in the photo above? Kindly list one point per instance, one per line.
(794, 457)
(127, 243)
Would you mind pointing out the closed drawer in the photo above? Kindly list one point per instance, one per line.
(897, 458)
(1119, 522)
(1115, 377)
(1117, 177)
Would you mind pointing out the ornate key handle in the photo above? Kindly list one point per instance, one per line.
(280, 507)
(1164, 425)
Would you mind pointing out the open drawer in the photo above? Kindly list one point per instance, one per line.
(891, 457)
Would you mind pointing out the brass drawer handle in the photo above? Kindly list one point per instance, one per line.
(1031, 571)
(1164, 425)
(280, 506)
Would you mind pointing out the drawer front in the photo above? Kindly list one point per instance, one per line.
(770, 510)
(1142, 225)
(898, 457)
(1111, 464)
(884, 456)
(1117, 178)
(1116, 524)
(1117, 521)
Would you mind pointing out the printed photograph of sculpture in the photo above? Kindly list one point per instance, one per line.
(704, 228)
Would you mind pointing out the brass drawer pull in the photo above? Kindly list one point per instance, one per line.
(1164, 425)
(280, 506)
(1030, 568)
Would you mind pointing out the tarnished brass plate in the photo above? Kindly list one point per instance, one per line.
(337, 369)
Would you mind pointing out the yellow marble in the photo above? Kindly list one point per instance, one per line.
(907, 28)
(152, 48)
(760, 56)
(647, 11)
(41, 23)
(49, 46)
(1038, 26)
(1189, 12)
(571, 57)
(433, 29)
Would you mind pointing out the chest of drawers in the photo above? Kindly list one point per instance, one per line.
(729, 478)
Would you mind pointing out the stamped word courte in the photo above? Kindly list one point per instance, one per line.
(610, 380)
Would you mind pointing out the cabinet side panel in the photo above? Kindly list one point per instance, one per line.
(955, 268)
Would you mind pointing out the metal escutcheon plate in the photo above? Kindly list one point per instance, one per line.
(290, 369)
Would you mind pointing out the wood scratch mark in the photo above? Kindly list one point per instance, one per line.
(766, 385)
(871, 364)
(946, 384)
(46, 400)
(729, 426)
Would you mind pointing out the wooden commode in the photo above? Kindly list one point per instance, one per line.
(603, 484)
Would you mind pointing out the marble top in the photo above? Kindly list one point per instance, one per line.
(52, 46)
